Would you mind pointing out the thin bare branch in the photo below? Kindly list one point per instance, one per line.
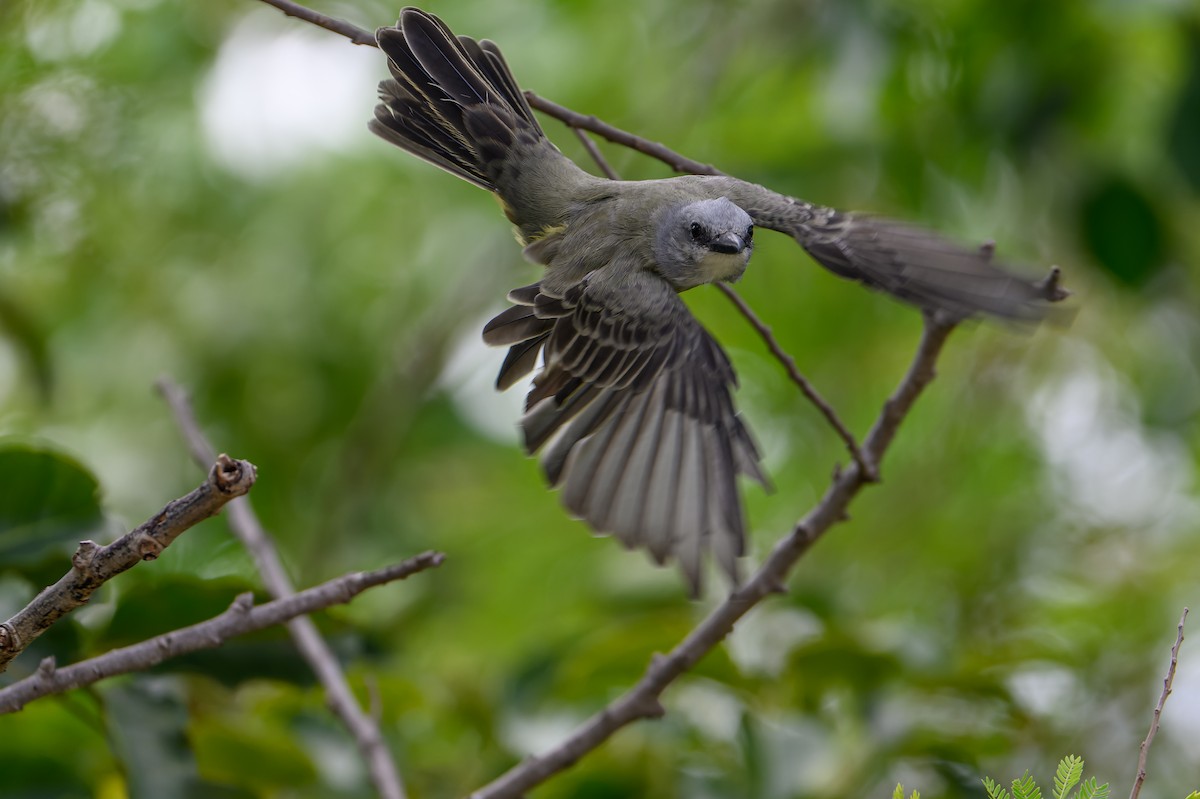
(185, 417)
(574, 119)
(93, 565)
(595, 153)
(244, 523)
(870, 472)
(680, 163)
(242, 617)
(642, 701)
(1144, 749)
(339, 26)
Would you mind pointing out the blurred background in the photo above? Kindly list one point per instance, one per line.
(189, 189)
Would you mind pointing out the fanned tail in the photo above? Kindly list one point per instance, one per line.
(451, 101)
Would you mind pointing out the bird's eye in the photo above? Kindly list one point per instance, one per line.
(697, 231)
(749, 237)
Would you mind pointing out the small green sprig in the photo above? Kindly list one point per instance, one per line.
(1068, 775)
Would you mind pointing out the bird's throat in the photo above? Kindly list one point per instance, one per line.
(721, 267)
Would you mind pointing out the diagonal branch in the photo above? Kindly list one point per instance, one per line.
(869, 469)
(680, 163)
(595, 153)
(245, 525)
(642, 701)
(351, 31)
(242, 617)
(1144, 749)
(93, 565)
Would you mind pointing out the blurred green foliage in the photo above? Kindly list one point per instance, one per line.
(46, 501)
(1007, 594)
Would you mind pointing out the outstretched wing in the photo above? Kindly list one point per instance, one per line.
(919, 266)
(911, 263)
(633, 414)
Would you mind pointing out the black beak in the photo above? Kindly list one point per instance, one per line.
(727, 243)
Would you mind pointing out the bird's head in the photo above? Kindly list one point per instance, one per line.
(703, 242)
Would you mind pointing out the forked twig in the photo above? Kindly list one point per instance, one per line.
(240, 618)
(680, 163)
(245, 525)
(93, 565)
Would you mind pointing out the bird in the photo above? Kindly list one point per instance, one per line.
(631, 408)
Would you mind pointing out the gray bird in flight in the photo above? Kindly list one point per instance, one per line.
(632, 409)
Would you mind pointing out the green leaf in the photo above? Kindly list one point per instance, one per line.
(1070, 770)
(1026, 788)
(994, 789)
(47, 501)
(1193, 795)
(899, 792)
(1090, 790)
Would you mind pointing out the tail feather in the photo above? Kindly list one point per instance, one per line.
(443, 58)
(502, 78)
(403, 120)
(411, 114)
(451, 101)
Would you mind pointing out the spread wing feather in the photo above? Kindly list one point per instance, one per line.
(633, 415)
